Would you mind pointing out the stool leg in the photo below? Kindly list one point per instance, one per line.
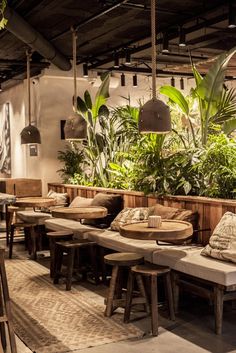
(142, 291)
(58, 264)
(33, 237)
(70, 267)
(111, 292)
(2, 324)
(11, 241)
(128, 302)
(169, 294)
(154, 308)
(175, 288)
(93, 259)
(7, 305)
(52, 257)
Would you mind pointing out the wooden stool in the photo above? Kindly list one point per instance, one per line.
(119, 261)
(53, 238)
(5, 308)
(33, 237)
(71, 247)
(151, 271)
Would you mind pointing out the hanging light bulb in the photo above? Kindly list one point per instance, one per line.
(172, 82)
(182, 37)
(30, 134)
(154, 116)
(181, 83)
(231, 15)
(85, 70)
(135, 81)
(116, 62)
(122, 79)
(127, 57)
(75, 127)
(165, 43)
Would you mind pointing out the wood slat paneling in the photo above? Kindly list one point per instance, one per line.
(210, 210)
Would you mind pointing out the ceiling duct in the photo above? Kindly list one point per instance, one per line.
(27, 34)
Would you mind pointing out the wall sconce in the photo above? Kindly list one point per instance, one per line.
(127, 57)
(85, 70)
(231, 15)
(182, 37)
(172, 82)
(122, 79)
(135, 81)
(165, 43)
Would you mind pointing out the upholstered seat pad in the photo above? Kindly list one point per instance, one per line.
(191, 262)
(33, 216)
(67, 224)
(113, 240)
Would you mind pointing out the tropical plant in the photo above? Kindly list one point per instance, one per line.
(3, 20)
(216, 104)
(217, 167)
(73, 162)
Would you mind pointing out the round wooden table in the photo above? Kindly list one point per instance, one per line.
(35, 202)
(171, 231)
(80, 212)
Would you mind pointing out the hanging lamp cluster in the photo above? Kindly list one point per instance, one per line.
(154, 116)
(30, 134)
(75, 127)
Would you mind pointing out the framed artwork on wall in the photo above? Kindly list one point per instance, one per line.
(5, 141)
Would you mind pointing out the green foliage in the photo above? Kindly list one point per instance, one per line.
(73, 162)
(3, 20)
(218, 167)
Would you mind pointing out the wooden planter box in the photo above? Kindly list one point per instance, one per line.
(210, 210)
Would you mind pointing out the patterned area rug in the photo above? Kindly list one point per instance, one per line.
(50, 320)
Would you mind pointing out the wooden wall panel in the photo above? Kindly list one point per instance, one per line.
(210, 210)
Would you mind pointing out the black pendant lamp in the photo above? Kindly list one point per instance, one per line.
(154, 116)
(30, 134)
(75, 128)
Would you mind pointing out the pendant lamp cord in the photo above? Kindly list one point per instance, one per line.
(28, 56)
(154, 54)
(74, 43)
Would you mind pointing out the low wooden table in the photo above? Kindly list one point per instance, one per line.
(78, 213)
(35, 202)
(171, 231)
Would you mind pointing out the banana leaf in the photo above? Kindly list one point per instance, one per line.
(229, 126)
(101, 96)
(87, 99)
(176, 96)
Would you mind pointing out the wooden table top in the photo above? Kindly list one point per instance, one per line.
(79, 212)
(35, 202)
(170, 231)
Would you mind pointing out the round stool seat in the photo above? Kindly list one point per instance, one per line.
(150, 269)
(123, 259)
(75, 243)
(60, 233)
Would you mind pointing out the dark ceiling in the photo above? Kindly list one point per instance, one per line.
(109, 28)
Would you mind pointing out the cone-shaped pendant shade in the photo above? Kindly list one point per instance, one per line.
(75, 128)
(154, 117)
(30, 134)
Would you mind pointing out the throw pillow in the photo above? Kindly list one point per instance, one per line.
(175, 213)
(113, 203)
(60, 198)
(222, 243)
(130, 215)
(80, 201)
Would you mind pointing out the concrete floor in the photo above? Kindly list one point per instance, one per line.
(192, 332)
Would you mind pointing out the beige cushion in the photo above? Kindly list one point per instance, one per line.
(175, 213)
(33, 217)
(113, 240)
(130, 215)
(189, 260)
(222, 243)
(67, 224)
(60, 198)
(81, 202)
